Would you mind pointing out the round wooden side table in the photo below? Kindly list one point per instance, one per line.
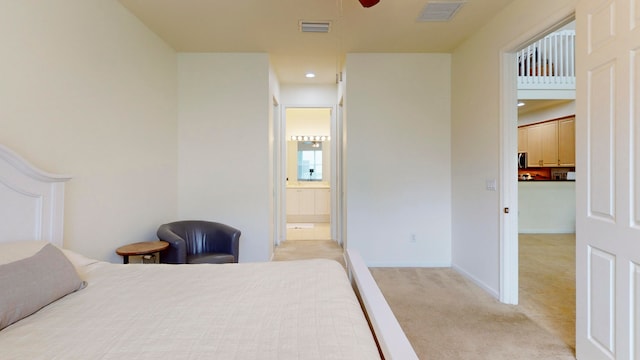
(141, 248)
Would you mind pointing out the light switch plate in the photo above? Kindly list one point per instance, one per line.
(491, 185)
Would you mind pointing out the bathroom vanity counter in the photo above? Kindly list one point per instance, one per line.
(308, 203)
(308, 185)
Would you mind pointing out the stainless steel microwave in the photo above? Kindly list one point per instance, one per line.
(522, 160)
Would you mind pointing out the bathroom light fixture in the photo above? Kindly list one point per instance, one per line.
(310, 138)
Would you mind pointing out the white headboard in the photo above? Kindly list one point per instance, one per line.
(31, 201)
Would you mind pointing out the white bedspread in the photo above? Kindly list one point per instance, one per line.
(278, 310)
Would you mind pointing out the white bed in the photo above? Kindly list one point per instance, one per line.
(277, 310)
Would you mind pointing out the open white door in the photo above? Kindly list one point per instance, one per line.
(608, 180)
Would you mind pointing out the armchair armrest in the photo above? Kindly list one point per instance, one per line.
(177, 251)
(232, 245)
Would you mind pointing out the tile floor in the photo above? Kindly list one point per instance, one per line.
(308, 231)
(547, 282)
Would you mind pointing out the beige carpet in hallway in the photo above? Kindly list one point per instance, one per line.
(309, 249)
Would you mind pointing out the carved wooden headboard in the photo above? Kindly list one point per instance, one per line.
(31, 201)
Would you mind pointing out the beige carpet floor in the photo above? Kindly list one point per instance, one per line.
(309, 249)
(445, 316)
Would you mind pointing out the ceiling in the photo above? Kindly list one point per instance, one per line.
(271, 26)
(533, 105)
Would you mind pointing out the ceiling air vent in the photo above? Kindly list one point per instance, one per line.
(440, 10)
(314, 26)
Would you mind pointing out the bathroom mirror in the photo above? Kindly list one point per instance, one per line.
(308, 161)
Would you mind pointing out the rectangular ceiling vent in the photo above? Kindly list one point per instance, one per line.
(440, 10)
(314, 26)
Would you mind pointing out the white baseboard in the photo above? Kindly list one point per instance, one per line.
(485, 287)
(409, 264)
(547, 231)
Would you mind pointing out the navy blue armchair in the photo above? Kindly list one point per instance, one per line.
(199, 242)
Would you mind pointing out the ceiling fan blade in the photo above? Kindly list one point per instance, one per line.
(368, 3)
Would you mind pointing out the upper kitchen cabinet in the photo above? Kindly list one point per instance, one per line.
(534, 145)
(567, 142)
(549, 144)
(522, 139)
(542, 144)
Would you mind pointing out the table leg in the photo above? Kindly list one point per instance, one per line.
(125, 259)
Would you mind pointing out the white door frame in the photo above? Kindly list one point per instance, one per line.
(509, 149)
(281, 170)
(508, 177)
(278, 227)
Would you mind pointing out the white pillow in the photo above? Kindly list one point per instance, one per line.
(17, 250)
(13, 251)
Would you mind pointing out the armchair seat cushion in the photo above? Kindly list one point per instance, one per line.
(210, 258)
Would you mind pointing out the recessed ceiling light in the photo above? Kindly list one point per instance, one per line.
(310, 75)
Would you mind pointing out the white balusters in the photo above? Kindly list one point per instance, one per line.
(548, 63)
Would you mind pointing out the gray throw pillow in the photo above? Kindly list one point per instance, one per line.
(29, 284)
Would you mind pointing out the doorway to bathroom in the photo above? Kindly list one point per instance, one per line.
(308, 171)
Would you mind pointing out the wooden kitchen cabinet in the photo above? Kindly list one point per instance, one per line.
(523, 139)
(534, 145)
(567, 142)
(549, 144)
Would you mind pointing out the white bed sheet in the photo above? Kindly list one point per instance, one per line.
(278, 310)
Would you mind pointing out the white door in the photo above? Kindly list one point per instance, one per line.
(608, 179)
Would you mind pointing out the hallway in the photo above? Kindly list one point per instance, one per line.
(309, 249)
(308, 231)
(548, 282)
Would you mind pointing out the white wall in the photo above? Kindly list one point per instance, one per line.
(547, 207)
(476, 135)
(398, 158)
(308, 121)
(224, 170)
(308, 95)
(87, 90)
